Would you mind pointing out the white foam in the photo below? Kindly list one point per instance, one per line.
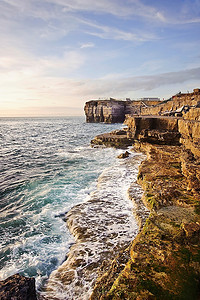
(107, 225)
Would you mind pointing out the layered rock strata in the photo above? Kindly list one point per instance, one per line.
(175, 105)
(164, 258)
(113, 111)
(162, 130)
(117, 139)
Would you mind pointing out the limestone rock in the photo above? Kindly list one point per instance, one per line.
(116, 139)
(113, 111)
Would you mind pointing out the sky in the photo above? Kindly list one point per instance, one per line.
(57, 54)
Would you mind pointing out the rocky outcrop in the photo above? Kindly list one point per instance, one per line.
(159, 130)
(113, 111)
(18, 287)
(108, 111)
(164, 261)
(176, 105)
(124, 155)
(117, 139)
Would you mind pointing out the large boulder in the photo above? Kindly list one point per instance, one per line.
(18, 287)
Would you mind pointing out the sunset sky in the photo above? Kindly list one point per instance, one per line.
(57, 54)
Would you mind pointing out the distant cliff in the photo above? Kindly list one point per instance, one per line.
(114, 111)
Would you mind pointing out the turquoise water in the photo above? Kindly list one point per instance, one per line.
(47, 166)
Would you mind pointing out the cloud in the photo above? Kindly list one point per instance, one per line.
(27, 91)
(122, 86)
(108, 32)
(87, 45)
(112, 7)
(20, 63)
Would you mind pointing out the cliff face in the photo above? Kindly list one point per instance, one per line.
(159, 130)
(113, 111)
(163, 261)
(107, 111)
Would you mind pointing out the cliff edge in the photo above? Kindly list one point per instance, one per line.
(114, 111)
(164, 258)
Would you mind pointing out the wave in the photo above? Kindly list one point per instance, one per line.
(102, 226)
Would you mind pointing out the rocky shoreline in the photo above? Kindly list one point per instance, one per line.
(164, 258)
(161, 260)
(102, 226)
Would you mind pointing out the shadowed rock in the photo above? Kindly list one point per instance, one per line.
(18, 287)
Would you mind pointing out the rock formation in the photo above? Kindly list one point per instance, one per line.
(164, 260)
(113, 111)
(18, 287)
(176, 105)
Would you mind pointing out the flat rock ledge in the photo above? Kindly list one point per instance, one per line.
(116, 139)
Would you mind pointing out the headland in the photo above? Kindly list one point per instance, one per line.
(161, 261)
(164, 258)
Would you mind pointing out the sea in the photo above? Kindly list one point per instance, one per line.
(47, 167)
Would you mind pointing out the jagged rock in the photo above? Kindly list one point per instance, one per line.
(124, 155)
(18, 287)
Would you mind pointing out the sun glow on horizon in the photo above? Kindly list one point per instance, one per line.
(56, 55)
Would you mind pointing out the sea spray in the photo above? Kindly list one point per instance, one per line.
(102, 226)
(47, 166)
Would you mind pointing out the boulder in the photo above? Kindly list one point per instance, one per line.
(124, 155)
(18, 287)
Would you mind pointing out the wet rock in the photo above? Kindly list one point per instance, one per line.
(18, 287)
(124, 155)
(116, 139)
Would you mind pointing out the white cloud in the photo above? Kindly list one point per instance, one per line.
(113, 7)
(30, 93)
(108, 32)
(87, 45)
(20, 62)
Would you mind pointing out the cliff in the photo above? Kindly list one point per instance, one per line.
(113, 111)
(175, 105)
(164, 259)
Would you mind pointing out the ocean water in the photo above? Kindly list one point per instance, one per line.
(47, 167)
